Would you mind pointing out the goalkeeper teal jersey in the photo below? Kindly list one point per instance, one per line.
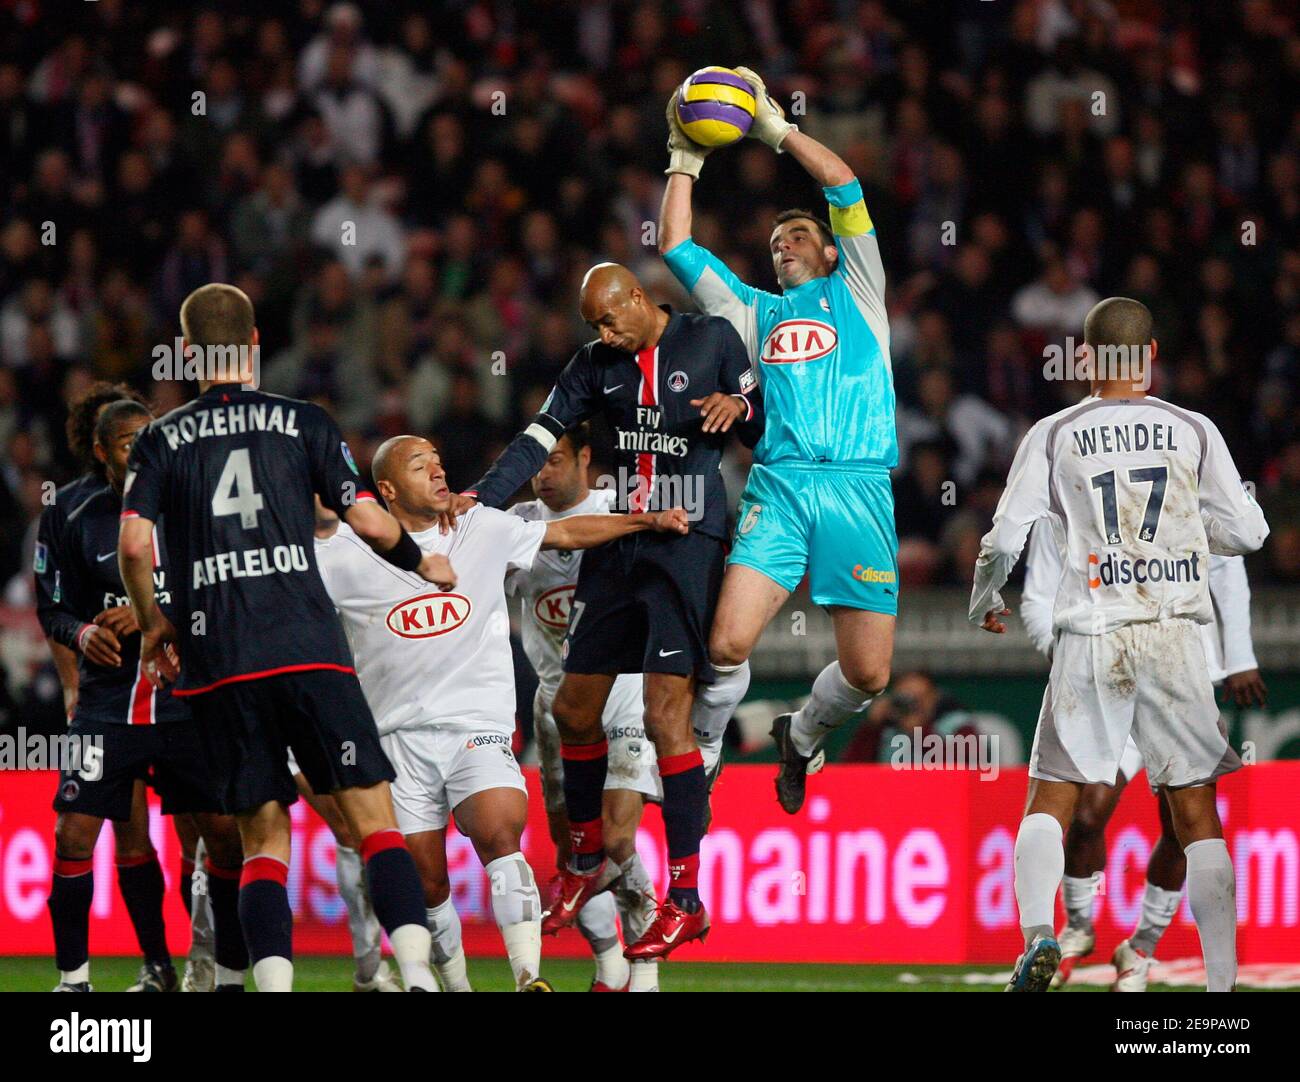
(821, 349)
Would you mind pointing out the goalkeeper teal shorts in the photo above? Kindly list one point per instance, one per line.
(834, 522)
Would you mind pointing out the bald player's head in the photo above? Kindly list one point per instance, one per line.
(218, 320)
(617, 306)
(1118, 334)
(409, 475)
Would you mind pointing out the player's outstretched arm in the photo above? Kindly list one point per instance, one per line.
(383, 533)
(822, 164)
(588, 531)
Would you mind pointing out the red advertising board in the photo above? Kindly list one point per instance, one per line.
(881, 866)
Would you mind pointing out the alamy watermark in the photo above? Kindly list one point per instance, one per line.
(178, 361)
(68, 753)
(920, 750)
(1110, 364)
(637, 492)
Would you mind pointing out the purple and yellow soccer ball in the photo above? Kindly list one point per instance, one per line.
(715, 106)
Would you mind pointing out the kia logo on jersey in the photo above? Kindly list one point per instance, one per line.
(428, 615)
(795, 340)
(552, 607)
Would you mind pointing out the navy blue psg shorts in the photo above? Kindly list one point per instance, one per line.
(169, 757)
(645, 604)
(248, 727)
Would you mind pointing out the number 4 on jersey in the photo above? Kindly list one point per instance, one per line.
(235, 493)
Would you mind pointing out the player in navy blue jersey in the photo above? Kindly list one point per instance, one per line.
(671, 387)
(138, 870)
(128, 731)
(263, 661)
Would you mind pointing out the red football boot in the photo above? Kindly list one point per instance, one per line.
(598, 986)
(671, 928)
(574, 891)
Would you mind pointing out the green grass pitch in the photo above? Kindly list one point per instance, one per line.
(321, 974)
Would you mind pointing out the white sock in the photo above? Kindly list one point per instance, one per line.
(713, 708)
(517, 909)
(1078, 894)
(612, 969)
(273, 974)
(524, 949)
(411, 944)
(229, 976)
(201, 935)
(598, 922)
(447, 953)
(834, 700)
(634, 892)
(645, 977)
(1039, 864)
(1212, 892)
(1158, 909)
(350, 873)
(75, 976)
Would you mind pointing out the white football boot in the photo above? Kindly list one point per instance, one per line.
(1132, 968)
(1075, 943)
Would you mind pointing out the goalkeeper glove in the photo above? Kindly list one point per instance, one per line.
(770, 124)
(685, 155)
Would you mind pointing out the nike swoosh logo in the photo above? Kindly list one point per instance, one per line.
(101, 559)
(668, 653)
(673, 938)
(568, 906)
(611, 390)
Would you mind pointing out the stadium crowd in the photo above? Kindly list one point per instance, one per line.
(411, 193)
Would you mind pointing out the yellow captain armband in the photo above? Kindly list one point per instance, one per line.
(851, 221)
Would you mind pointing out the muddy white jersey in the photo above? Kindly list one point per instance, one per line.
(1138, 493)
(1227, 642)
(428, 657)
(546, 589)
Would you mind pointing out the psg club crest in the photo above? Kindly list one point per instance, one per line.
(347, 457)
(69, 791)
(678, 381)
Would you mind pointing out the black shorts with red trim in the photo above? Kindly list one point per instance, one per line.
(248, 727)
(645, 604)
(169, 757)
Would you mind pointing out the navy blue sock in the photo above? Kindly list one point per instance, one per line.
(685, 797)
(264, 911)
(395, 891)
(140, 880)
(228, 946)
(71, 892)
(585, 766)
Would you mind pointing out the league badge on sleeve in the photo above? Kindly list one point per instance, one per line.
(347, 457)
(40, 559)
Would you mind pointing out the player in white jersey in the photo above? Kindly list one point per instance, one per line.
(437, 673)
(546, 591)
(1231, 659)
(1138, 493)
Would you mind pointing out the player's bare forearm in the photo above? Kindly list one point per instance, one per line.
(588, 531)
(135, 561)
(822, 164)
(375, 526)
(65, 664)
(675, 213)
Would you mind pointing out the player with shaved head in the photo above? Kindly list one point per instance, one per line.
(437, 670)
(671, 386)
(1138, 494)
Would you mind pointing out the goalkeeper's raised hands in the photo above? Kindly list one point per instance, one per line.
(685, 155)
(770, 124)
